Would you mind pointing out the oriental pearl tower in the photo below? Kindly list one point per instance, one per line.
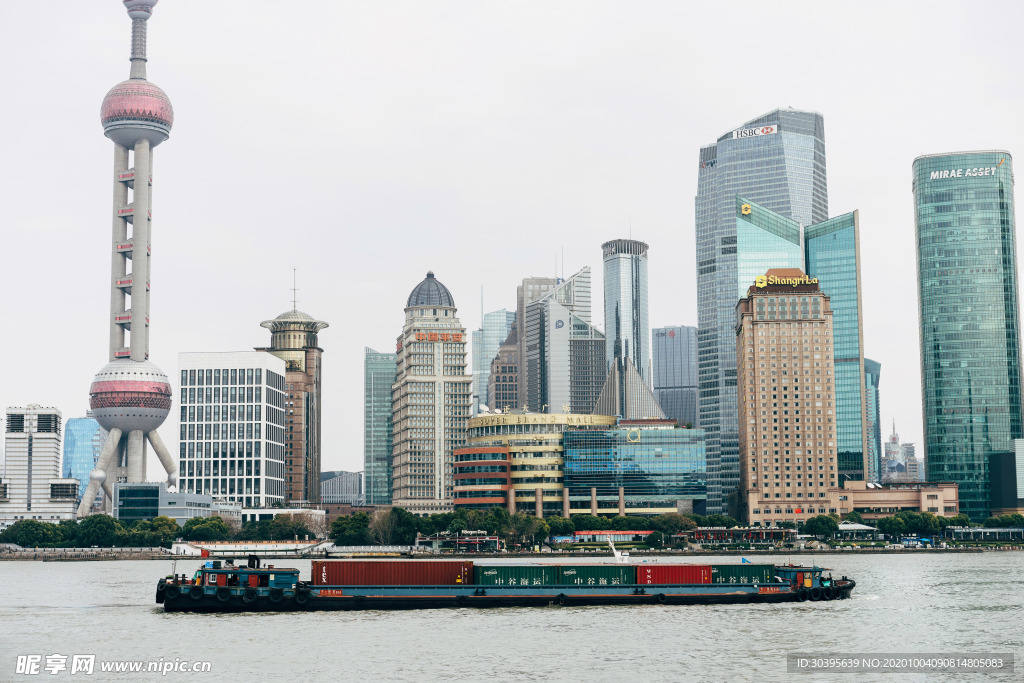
(130, 397)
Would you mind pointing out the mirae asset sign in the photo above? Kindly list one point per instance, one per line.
(964, 172)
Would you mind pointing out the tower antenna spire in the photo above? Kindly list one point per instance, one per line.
(295, 292)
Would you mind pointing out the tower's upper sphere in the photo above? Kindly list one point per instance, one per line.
(430, 292)
(140, 9)
(130, 395)
(136, 109)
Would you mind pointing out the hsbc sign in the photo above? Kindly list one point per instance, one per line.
(754, 132)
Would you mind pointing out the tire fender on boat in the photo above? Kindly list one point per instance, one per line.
(660, 597)
(560, 599)
(172, 592)
(160, 588)
(829, 593)
(223, 593)
(196, 593)
(301, 596)
(248, 597)
(276, 595)
(801, 595)
(815, 594)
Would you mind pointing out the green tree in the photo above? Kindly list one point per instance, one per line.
(205, 529)
(673, 523)
(720, 520)
(786, 525)
(591, 523)
(560, 526)
(854, 517)
(351, 530)
(893, 527)
(288, 527)
(255, 531)
(655, 539)
(405, 526)
(633, 523)
(99, 530)
(957, 520)
(68, 533)
(35, 534)
(525, 528)
(822, 526)
(498, 521)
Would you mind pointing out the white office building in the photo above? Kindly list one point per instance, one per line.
(232, 426)
(31, 486)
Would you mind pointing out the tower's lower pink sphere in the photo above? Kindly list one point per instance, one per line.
(130, 395)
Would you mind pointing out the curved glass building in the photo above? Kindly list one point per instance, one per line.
(83, 439)
(970, 332)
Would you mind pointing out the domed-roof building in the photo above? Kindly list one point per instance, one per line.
(294, 338)
(431, 375)
(430, 292)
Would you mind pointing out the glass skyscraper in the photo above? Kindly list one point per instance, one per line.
(626, 327)
(970, 333)
(778, 162)
(872, 375)
(675, 372)
(83, 439)
(564, 365)
(378, 376)
(493, 331)
(832, 254)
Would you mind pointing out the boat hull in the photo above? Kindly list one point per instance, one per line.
(348, 598)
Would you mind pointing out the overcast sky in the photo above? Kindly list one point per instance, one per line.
(364, 143)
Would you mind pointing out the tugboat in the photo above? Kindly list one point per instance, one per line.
(422, 584)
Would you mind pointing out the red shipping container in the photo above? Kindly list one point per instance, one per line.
(391, 573)
(660, 574)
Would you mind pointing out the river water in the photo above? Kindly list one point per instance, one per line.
(913, 603)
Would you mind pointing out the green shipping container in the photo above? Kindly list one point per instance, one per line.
(742, 573)
(596, 575)
(514, 575)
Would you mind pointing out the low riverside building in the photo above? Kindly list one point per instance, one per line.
(515, 459)
(871, 501)
(134, 502)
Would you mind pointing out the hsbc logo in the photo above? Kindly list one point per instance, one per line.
(754, 132)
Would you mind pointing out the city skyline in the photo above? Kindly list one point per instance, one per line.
(422, 178)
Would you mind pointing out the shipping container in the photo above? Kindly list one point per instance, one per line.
(596, 574)
(673, 573)
(514, 575)
(742, 573)
(391, 573)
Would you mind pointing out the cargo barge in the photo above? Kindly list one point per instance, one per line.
(424, 584)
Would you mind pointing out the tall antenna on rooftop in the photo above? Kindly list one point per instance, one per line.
(295, 292)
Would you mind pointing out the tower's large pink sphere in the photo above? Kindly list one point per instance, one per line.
(130, 395)
(136, 109)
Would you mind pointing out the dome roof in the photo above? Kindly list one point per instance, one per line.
(137, 100)
(430, 292)
(295, 316)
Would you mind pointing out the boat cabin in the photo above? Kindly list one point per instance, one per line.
(216, 573)
(803, 577)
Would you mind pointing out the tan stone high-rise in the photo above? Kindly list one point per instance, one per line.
(294, 339)
(431, 400)
(785, 383)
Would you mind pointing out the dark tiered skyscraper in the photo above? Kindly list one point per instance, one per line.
(970, 319)
(778, 161)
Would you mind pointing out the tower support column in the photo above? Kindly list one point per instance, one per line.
(140, 252)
